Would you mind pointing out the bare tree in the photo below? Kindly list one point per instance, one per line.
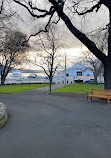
(48, 58)
(81, 8)
(92, 63)
(11, 52)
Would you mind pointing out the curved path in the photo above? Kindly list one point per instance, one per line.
(51, 126)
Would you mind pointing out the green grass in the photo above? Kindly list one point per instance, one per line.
(20, 88)
(78, 88)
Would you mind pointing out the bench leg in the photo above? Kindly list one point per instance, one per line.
(91, 98)
(108, 100)
(87, 96)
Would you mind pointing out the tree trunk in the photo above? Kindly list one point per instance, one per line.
(107, 76)
(107, 65)
(95, 79)
(50, 85)
(2, 80)
(4, 72)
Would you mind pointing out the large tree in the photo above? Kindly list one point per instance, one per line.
(11, 52)
(79, 7)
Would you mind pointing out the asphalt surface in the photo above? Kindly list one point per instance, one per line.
(42, 125)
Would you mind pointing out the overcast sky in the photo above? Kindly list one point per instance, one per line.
(27, 24)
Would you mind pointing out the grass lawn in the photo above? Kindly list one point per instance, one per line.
(20, 88)
(78, 88)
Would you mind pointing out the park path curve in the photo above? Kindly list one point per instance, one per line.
(51, 126)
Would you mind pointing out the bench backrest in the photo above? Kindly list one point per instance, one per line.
(101, 92)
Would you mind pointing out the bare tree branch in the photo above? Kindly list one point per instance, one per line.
(97, 6)
(50, 12)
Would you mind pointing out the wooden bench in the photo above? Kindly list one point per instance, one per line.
(97, 93)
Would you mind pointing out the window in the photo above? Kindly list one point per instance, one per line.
(88, 74)
(79, 73)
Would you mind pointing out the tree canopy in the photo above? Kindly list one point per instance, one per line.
(11, 52)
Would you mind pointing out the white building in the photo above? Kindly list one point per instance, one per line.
(76, 73)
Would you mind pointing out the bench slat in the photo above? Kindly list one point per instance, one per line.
(105, 94)
(100, 96)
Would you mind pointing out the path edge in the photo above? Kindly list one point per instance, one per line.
(3, 114)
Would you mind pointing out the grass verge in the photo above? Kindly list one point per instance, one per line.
(78, 88)
(20, 88)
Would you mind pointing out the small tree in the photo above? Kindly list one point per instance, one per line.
(48, 57)
(11, 52)
(92, 63)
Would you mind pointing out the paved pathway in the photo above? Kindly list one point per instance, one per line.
(52, 126)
